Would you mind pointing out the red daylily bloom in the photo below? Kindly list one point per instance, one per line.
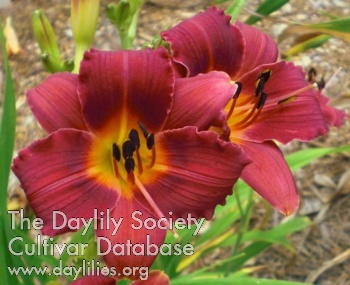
(107, 148)
(273, 101)
(155, 278)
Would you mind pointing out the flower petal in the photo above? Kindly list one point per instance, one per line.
(156, 277)
(194, 171)
(332, 116)
(207, 42)
(123, 86)
(54, 174)
(270, 176)
(133, 233)
(55, 103)
(291, 110)
(94, 280)
(199, 100)
(260, 48)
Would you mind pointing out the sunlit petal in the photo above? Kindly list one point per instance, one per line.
(270, 176)
(54, 174)
(207, 42)
(55, 103)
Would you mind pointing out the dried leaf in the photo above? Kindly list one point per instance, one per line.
(12, 43)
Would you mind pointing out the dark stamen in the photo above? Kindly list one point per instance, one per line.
(134, 138)
(265, 75)
(116, 152)
(321, 84)
(262, 100)
(129, 164)
(150, 141)
(143, 129)
(128, 149)
(311, 75)
(238, 90)
(259, 86)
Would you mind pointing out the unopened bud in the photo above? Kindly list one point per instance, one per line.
(84, 15)
(45, 35)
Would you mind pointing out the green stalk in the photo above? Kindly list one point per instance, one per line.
(79, 54)
(125, 39)
(245, 218)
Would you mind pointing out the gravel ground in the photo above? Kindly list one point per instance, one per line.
(320, 255)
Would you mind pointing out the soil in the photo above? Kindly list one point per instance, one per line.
(322, 252)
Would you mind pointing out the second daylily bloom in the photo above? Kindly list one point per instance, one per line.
(273, 101)
(107, 148)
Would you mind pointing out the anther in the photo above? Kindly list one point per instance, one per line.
(311, 75)
(262, 100)
(321, 84)
(259, 86)
(143, 129)
(128, 149)
(150, 141)
(129, 164)
(134, 138)
(238, 90)
(287, 100)
(265, 74)
(116, 152)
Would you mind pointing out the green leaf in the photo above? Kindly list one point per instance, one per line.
(303, 157)
(217, 279)
(234, 9)
(266, 8)
(7, 138)
(339, 28)
(77, 238)
(341, 25)
(314, 42)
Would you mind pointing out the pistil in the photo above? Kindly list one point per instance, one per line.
(153, 204)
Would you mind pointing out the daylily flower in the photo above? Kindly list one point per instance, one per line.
(273, 101)
(155, 277)
(107, 148)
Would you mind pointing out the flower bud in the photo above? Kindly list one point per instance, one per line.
(51, 63)
(124, 15)
(45, 35)
(84, 15)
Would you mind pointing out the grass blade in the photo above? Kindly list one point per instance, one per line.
(266, 8)
(234, 9)
(7, 138)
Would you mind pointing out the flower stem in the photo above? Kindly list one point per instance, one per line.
(79, 54)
